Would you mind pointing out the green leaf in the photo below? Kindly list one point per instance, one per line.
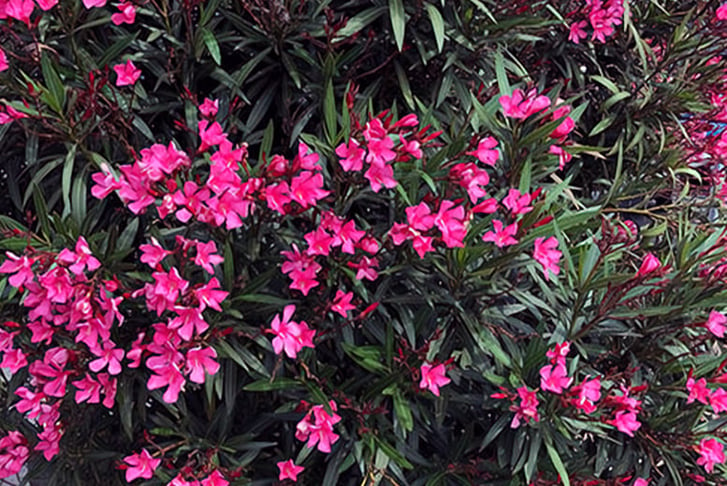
(437, 25)
(397, 15)
(67, 179)
(267, 385)
(56, 88)
(403, 411)
(556, 460)
(126, 239)
(329, 112)
(212, 46)
(502, 82)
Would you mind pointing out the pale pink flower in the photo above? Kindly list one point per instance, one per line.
(433, 377)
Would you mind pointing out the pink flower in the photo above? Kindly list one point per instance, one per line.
(433, 377)
(153, 254)
(126, 74)
(20, 10)
(46, 5)
(563, 156)
(528, 408)
(641, 482)
(718, 400)
(451, 222)
(3, 60)
(365, 268)
(14, 360)
(546, 254)
(320, 429)
(501, 236)
(517, 203)
(554, 378)
(721, 13)
(167, 374)
(93, 3)
(342, 303)
(20, 266)
(307, 188)
(576, 31)
(206, 256)
(288, 470)
(127, 14)
(485, 151)
(290, 336)
(626, 422)
(649, 264)
(108, 355)
(208, 295)
(716, 323)
(697, 390)
(209, 107)
(351, 156)
(214, 479)
(199, 361)
(13, 453)
(518, 106)
(711, 452)
(588, 393)
(81, 258)
(140, 466)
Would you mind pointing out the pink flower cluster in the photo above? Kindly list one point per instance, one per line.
(520, 106)
(143, 465)
(22, 9)
(60, 297)
(317, 427)
(379, 149)
(602, 16)
(450, 220)
(331, 233)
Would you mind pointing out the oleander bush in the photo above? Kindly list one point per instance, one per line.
(363, 242)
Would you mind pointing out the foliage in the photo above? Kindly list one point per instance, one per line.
(394, 242)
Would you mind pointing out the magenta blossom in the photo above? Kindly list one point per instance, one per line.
(433, 377)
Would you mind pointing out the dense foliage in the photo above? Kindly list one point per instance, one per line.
(363, 242)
